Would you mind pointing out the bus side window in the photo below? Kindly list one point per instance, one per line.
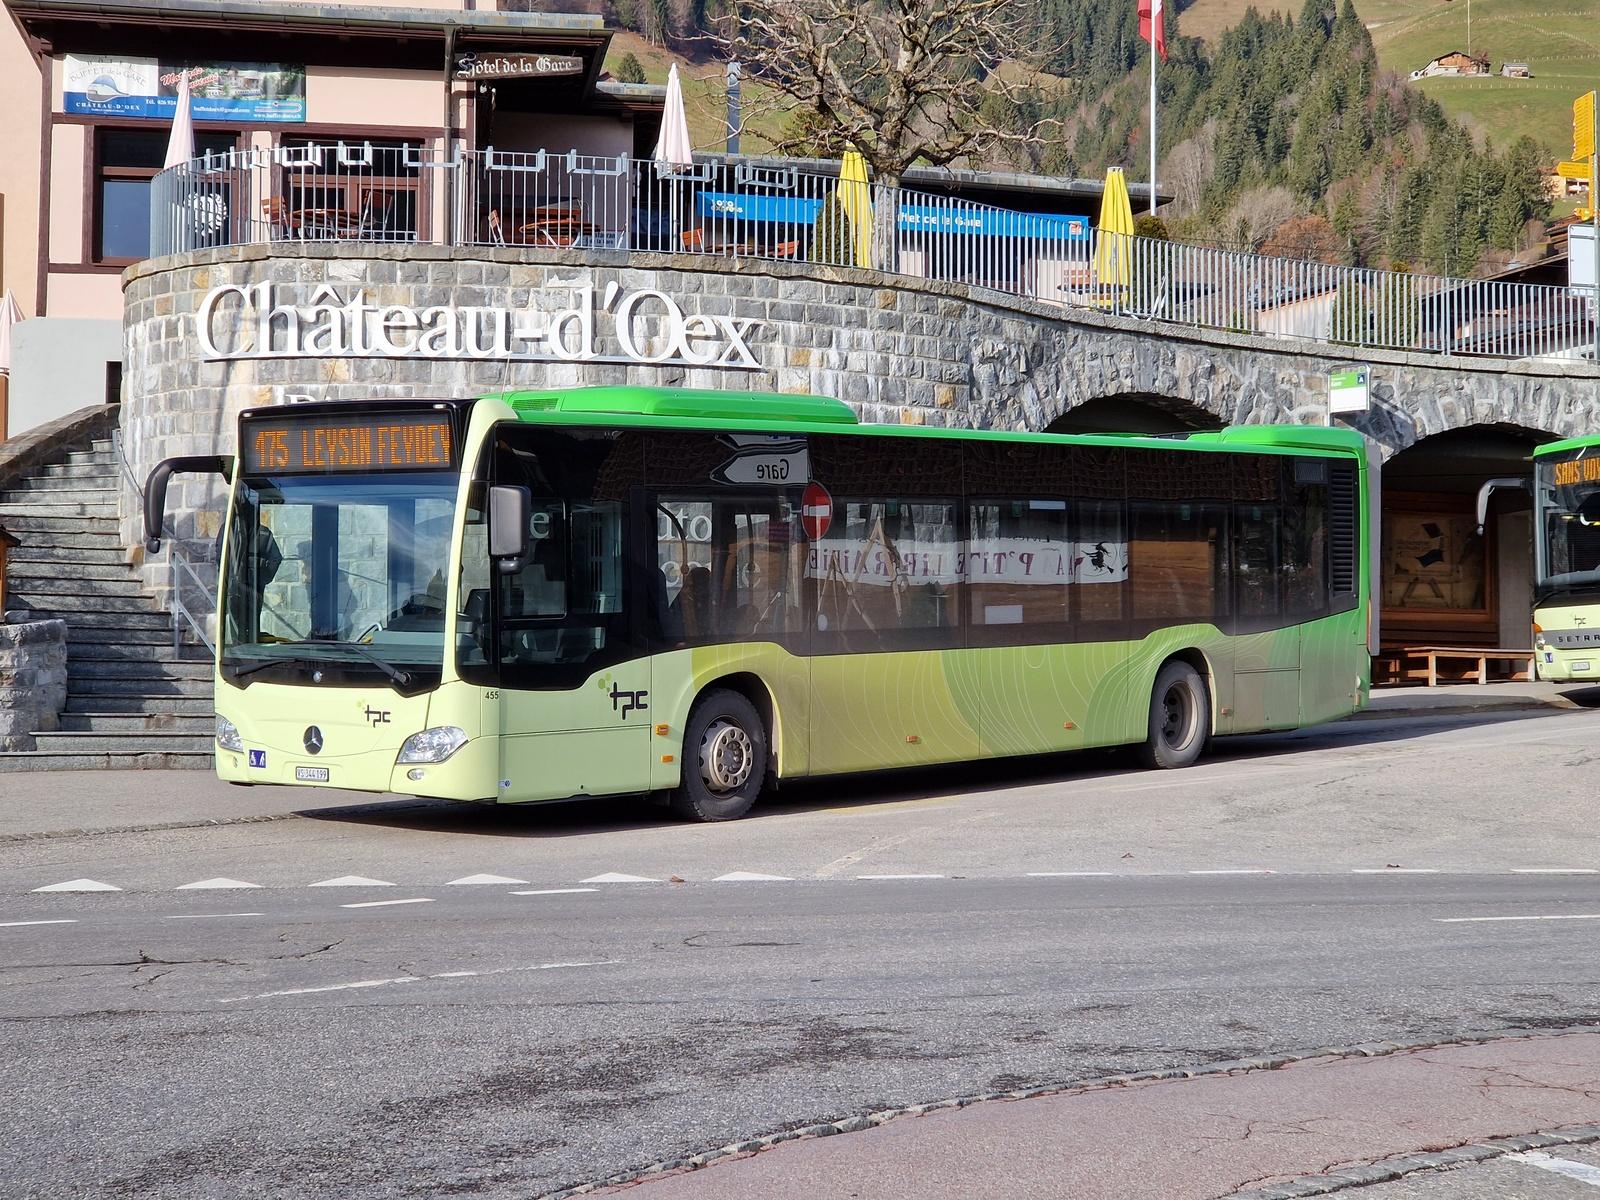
(1018, 563)
(887, 573)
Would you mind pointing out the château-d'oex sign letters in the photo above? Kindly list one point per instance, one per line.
(607, 325)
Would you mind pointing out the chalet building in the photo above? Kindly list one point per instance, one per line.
(1456, 63)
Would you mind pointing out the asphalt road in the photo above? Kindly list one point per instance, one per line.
(417, 1036)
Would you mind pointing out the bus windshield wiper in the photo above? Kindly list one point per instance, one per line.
(241, 672)
(394, 673)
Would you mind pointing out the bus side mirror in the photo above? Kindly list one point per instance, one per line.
(155, 488)
(509, 510)
(1488, 489)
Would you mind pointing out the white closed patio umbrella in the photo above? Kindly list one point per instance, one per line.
(180, 143)
(673, 149)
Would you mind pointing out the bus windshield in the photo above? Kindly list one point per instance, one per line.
(339, 577)
(1569, 521)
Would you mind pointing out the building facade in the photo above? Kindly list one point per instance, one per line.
(370, 92)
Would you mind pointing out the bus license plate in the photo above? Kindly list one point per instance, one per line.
(1580, 666)
(311, 774)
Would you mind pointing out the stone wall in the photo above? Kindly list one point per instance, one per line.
(33, 680)
(898, 350)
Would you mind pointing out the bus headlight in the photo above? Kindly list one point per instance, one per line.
(432, 745)
(228, 734)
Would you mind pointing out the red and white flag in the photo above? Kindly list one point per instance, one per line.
(1150, 18)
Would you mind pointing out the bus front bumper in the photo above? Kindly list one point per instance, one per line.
(1567, 666)
(462, 776)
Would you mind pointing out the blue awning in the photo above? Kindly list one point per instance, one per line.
(738, 206)
(992, 222)
(914, 218)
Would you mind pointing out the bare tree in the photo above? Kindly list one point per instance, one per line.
(904, 81)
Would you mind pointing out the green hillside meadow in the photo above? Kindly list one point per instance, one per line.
(1559, 39)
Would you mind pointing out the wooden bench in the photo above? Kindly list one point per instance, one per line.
(1402, 664)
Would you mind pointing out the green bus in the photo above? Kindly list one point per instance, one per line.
(1566, 606)
(544, 595)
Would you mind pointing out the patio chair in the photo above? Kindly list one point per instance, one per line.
(497, 231)
(281, 221)
(376, 205)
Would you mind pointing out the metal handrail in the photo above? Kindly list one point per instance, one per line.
(798, 213)
(178, 565)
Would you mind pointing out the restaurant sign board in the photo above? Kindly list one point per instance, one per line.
(644, 327)
(517, 66)
(148, 87)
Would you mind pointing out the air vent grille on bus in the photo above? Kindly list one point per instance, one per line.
(1344, 533)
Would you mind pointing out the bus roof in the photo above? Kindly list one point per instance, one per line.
(1577, 443)
(707, 408)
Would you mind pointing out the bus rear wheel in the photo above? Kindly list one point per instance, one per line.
(724, 759)
(1180, 718)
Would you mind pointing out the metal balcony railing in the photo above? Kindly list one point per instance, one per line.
(361, 192)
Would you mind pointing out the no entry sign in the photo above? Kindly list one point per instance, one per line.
(816, 510)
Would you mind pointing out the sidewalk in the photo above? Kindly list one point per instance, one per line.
(43, 803)
(1415, 701)
(1205, 1137)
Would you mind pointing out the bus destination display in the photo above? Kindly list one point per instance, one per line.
(368, 442)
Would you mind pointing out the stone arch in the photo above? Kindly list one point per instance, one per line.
(1134, 412)
(1441, 581)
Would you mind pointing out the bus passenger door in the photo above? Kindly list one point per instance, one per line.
(575, 705)
(1266, 665)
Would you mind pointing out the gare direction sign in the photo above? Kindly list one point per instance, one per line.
(645, 327)
(517, 66)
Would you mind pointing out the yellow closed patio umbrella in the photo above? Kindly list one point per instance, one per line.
(855, 198)
(1113, 255)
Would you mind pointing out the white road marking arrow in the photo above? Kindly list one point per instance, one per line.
(352, 881)
(79, 885)
(475, 879)
(751, 877)
(615, 877)
(214, 883)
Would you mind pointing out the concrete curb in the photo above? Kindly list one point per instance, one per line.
(1527, 704)
(1385, 1170)
(1311, 1185)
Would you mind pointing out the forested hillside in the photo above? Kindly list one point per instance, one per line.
(1285, 136)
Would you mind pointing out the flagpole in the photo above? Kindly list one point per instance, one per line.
(1155, 15)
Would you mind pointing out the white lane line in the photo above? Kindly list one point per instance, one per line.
(208, 916)
(1487, 920)
(1236, 871)
(351, 881)
(476, 880)
(373, 983)
(214, 884)
(1555, 870)
(386, 903)
(555, 891)
(79, 885)
(1582, 1172)
(1394, 870)
(617, 877)
(899, 876)
(1071, 874)
(14, 924)
(752, 877)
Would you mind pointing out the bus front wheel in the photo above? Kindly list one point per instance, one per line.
(1180, 718)
(724, 759)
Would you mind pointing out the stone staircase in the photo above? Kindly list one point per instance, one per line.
(132, 700)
